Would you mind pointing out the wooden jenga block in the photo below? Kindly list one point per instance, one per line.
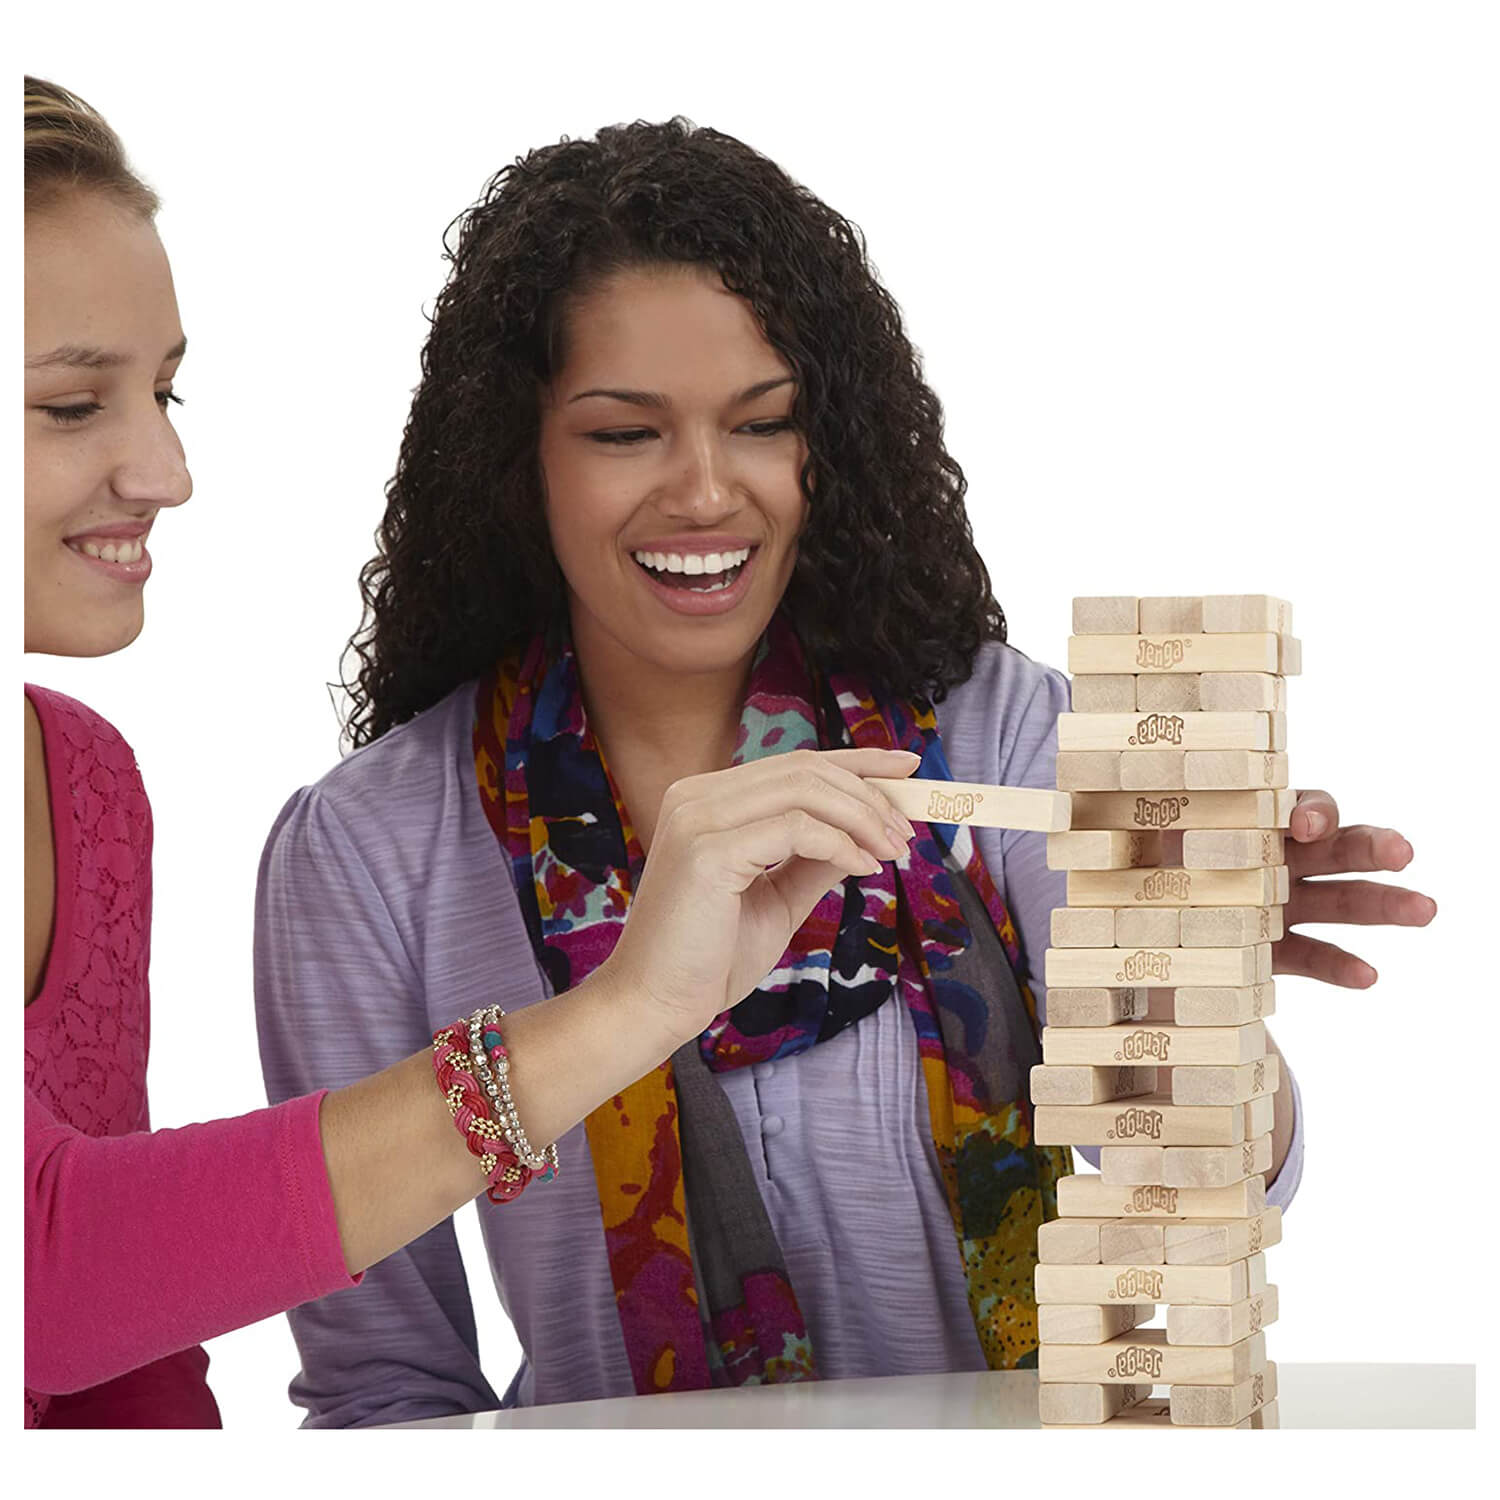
(1142, 654)
(1215, 1166)
(1195, 1046)
(1231, 692)
(1228, 614)
(1133, 1242)
(1070, 1242)
(1151, 1119)
(1131, 1283)
(1143, 1355)
(1110, 693)
(1102, 849)
(1089, 1085)
(1034, 809)
(1159, 966)
(1225, 1085)
(1230, 926)
(1289, 656)
(1233, 849)
(1246, 809)
(1209, 770)
(1176, 731)
(1223, 1005)
(1260, 1114)
(1074, 1404)
(1211, 1405)
(1088, 770)
(1267, 1417)
(1157, 1412)
(1145, 926)
(1172, 693)
(1087, 1194)
(1222, 1325)
(1091, 1323)
(1082, 926)
(1153, 770)
(1170, 616)
(1093, 1006)
(1106, 615)
(1266, 885)
(1205, 1242)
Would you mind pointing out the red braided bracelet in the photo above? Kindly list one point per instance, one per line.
(504, 1171)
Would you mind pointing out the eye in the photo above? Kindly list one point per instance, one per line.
(78, 412)
(164, 399)
(626, 437)
(769, 428)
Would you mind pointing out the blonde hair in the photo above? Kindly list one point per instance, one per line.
(70, 147)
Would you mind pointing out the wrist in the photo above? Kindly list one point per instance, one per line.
(659, 1029)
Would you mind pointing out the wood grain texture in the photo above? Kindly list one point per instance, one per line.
(1217, 1405)
(1157, 885)
(1030, 809)
(1146, 654)
(1109, 693)
(1072, 1404)
(1105, 615)
(1232, 809)
(1210, 1242)
(1223, 1005)
(1231, 692)
(1152, 1119)
(1085, 1085)
(1089, 1323)
(1094, 1005)
(1102, 849)
(1229, 613)
(1164, 967)
(1143, 1355)
(1223, 1325)
(1185, 1286)
(1086, 1194)
(1179, 731)
(1233, 849)
(1232, 770)
(1226, 1085)
(1187, 1046)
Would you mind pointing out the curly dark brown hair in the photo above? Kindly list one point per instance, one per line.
(887, 584)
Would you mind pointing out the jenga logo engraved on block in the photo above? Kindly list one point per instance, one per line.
(1258, 1078)
(1161, 654)
(1159, 812)
(1137, 1121)
(1267, 840)
(1136, 1359)
(1268, 770)
(1141, 1044)
(1144, 964)
(1257, 1000)
(1247, 1158)
(1157, 728)
(1257, 1389)
(1176, 885)
(1255, 1234)
(1265, 924)
(1153, 1198)
(1138, 1281)
(1257, 1314)
(943, 808)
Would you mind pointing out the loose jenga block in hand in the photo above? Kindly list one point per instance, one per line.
(1082, 926)
(1159, 966)
(1089, 1085)
(1070, 1242)
(1224, 770)
(1171, 693)
(1226, 1085)
(977, 804)
(1105, 615)
(1261, 886)
(1223, 1405)
(1170, 615)
(1152, 1119)
(1193, 1047)
(1175, 731)
(1182, 1286)
(1231, 692)
(1088, 770)
(1223, 1005)
(1230, 926)
(1093, 1006)
(1227, 614)
(1102, 849)
(1088, 1194)
(1222, 1325)
(1233, 849)
(1143, 1354)
(1091, 1323)
(1143, 654)
(1139, 1242)
(1205, 1242)
(1153, 770)
(1110, 693)
(1072, 1404)
(1146, 926)
(1244, 809)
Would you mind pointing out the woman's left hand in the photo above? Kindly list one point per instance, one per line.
(1318, 846)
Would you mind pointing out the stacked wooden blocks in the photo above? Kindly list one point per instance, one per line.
(1158, 986)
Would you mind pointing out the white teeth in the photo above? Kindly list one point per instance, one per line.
(108, 553)
(692, 562)
(674, 563)
(111, 552)
(659, 561)
(89, 549)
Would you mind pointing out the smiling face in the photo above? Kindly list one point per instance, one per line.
(103, 341)
(671, 472)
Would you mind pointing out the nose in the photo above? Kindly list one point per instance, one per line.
(151, 468)
(702, 491)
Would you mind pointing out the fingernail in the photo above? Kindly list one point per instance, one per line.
(1317, 825)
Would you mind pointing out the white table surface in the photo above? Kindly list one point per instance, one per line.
(1327, 1396)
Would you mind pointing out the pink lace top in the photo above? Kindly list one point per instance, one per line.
(139, 1245)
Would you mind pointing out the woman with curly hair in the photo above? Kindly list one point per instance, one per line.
(672, 505)
(141, 1244)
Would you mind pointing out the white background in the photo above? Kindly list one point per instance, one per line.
(1208, 295)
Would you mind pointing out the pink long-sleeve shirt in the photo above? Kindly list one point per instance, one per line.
(140, 1244)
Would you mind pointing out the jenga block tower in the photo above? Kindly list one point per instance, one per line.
(1159, 983)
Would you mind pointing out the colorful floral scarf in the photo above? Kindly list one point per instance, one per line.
(675, 1185)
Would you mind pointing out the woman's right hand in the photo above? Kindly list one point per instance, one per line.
(739, 859)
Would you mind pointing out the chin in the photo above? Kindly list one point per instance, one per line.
(95, 636)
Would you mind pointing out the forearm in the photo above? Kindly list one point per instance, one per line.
(396, 1163)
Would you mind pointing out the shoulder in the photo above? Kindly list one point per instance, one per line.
(78, 730)
(1009, 703)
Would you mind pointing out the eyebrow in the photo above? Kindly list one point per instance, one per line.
(86, 357)
(655, 398)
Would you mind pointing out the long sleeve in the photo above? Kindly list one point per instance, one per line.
(338, 997)
(139, 1246)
